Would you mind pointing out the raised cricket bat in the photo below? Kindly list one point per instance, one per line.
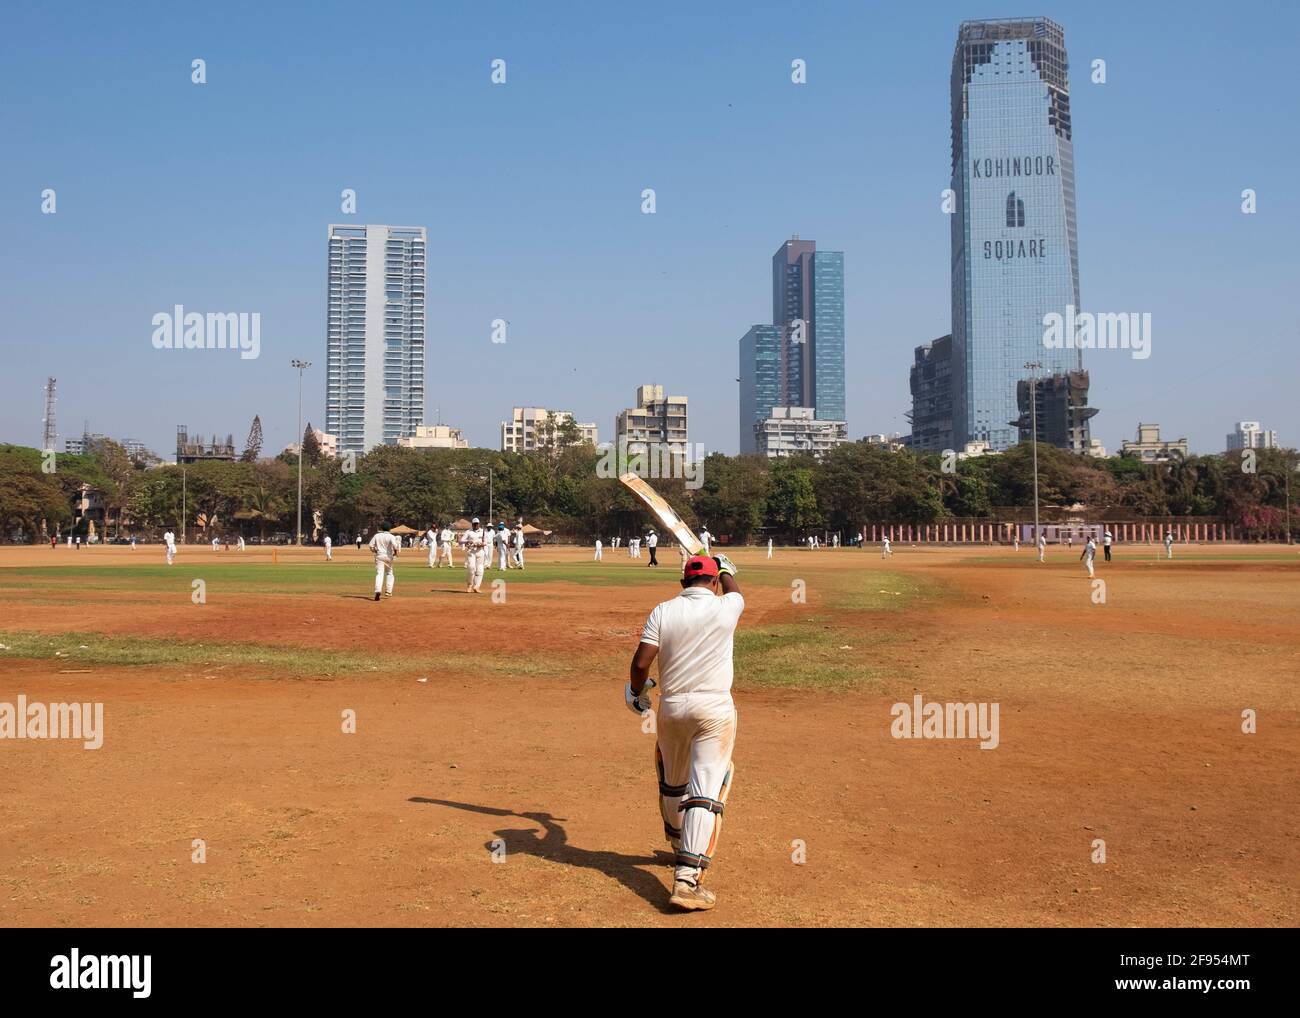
(663, 512)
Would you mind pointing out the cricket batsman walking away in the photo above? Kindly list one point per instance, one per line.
(385, 546)
(692, 636)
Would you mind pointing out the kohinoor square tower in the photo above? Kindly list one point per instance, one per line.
(1014, 236)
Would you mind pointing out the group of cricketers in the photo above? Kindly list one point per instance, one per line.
(477, 544)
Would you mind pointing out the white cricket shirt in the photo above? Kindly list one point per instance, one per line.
(693, 632)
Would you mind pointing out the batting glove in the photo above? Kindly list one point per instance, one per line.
(639, 704)
(725, 565)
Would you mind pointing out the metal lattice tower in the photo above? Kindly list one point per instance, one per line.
(51, 431)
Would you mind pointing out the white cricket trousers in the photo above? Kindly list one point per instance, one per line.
(474, 561)
(433, 553)
(504, 563)
(696, 736)
(445, 554)
(383, 569)
(1088, 563)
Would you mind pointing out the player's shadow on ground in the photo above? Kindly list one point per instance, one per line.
(554, 845)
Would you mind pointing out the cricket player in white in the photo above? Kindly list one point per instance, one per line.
(240, 545)
(707, 539)
(474, 541)
(1042, 546)
(444, 540)
(329, 548)
(597, 549)
(431, 537)
(885, 550)
(652, 542)
(692, 636)
(502, 539)
(169, 539)
(216, 543)
(1169, 544)
(1089, 553)
(519, 545)
(769, 547)
(386, 547)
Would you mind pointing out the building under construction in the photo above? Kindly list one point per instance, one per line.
(198, 451)
(1062, 412)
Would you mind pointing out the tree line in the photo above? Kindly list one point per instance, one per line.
(743, 497)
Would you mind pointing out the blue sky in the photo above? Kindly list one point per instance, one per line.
(218, 197)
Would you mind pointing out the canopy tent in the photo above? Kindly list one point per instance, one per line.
(402, 528)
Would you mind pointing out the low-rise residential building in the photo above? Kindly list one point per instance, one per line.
(795, 431)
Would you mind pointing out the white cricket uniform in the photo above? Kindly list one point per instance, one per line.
(475, 545)
(597, 549)
(1090, 553)
(431, 537)
(216, 544)
(502, 539)
(696, 724)
(519, 547)
(241, 542)
(885, 550)
(329, 549)
(707, 538)
(769, 547)
(1042, 547)
(386, 547)
(444, 541)
(169, 538)
(1169, 545)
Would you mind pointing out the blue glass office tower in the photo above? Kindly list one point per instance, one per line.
(808, 308)
(760, 380)
(1014, 238)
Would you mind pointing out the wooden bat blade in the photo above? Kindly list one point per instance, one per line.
(663, 512)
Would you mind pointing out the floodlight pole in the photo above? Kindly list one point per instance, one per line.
(301, 366)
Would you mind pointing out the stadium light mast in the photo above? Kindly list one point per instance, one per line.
(1034, 367)
(301, 366)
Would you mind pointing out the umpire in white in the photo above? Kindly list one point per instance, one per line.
(696, 726)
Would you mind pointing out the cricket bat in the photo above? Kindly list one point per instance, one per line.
(663, 512)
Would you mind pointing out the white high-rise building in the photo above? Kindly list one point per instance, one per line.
(374, 370)
(1250, 435)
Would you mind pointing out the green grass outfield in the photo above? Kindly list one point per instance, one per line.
(823, 649)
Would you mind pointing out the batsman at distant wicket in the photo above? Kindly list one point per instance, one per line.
(692, 636)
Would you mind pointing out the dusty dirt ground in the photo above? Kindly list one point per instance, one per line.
(1119, 722)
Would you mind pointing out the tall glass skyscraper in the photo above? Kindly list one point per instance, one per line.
(808, 308)
(374, 368)
(1014, 238)
(760, 380)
